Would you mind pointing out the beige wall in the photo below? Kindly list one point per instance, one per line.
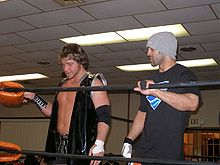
(31, 134)
(209, 112)
(28, 134)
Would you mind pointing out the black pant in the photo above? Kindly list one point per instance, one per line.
(61, 143)
(61, 147)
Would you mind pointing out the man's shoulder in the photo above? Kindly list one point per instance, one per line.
(99, 78)
(181, 67)
(62, 82)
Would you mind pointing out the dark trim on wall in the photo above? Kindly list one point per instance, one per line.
(203, 129)
(22, 118)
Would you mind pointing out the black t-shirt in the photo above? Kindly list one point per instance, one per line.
(162, 136)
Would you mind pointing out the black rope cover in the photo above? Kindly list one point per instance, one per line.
(115, 87)
(108, 158)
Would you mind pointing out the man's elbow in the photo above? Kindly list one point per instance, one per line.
(194, 108)
(194, 105)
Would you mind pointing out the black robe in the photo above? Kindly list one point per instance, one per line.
(83, 127)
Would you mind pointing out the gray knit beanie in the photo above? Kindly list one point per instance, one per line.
(164, 42)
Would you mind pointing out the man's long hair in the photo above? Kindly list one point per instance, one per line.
(75, 52)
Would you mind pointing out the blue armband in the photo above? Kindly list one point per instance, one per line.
(103, 113)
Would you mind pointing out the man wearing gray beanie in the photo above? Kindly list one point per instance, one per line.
(162, 116)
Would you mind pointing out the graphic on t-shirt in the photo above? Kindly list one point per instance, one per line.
(154, 101)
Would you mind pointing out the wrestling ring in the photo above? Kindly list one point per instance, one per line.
(10, 152)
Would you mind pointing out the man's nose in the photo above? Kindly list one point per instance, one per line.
(148, 53)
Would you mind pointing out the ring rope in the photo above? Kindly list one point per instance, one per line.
(109, 158)
(115, 87)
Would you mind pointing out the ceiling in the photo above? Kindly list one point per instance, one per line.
(30, 31)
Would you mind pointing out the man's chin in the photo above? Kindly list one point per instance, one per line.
(153, 65)
(68, 77)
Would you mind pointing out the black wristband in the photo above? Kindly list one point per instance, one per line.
(40, 102)
(129, 141)
(143, 84)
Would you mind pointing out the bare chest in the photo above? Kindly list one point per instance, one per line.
(67, 98)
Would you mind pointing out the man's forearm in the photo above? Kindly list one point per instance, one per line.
(181, 102)
(102, 131)
(137, 126)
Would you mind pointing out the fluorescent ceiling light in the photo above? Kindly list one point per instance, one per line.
(198, 63)
(22, 77)
(144, 33)
(187, 63)
(95, 39)
(125, 35)
(137, 67)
